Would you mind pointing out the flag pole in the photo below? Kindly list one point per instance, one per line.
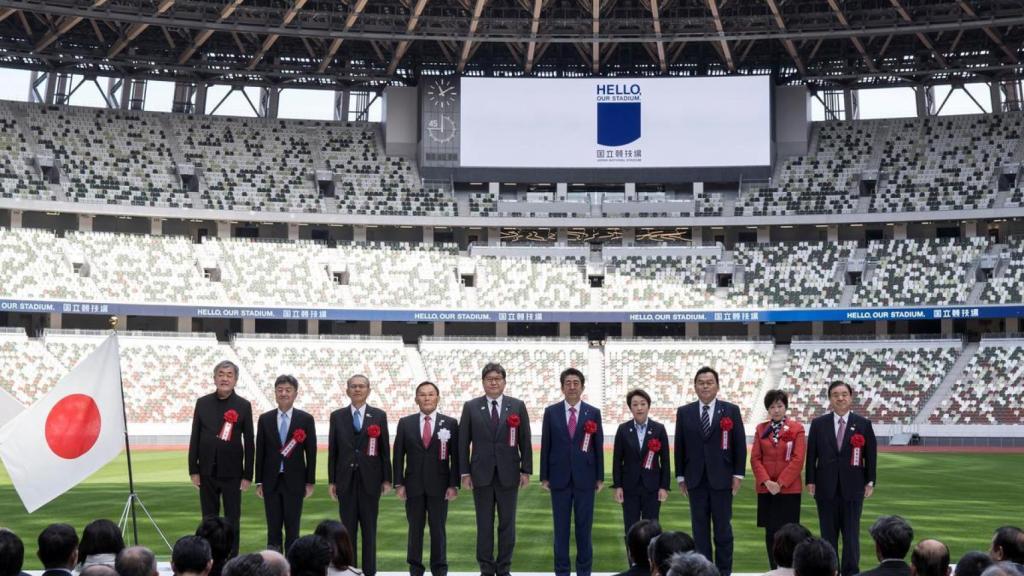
(127, 444)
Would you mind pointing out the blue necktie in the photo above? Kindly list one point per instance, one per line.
(357, 420)
(282, 430)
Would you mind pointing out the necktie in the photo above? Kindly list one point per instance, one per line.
(426, 431)
(282, 431)
(357, 421)
(494, 415)
(705, 422)
(572, 422)
(841, 433)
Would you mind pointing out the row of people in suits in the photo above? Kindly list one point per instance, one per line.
(488, 450)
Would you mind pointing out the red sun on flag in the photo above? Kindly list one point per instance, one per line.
(72, 426)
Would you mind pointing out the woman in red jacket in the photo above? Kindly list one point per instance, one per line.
(777, 458)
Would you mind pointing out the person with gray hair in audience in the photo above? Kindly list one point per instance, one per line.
(815, 557)
(973, 563)
(275, 563)
(893, 537)
(663, 546)
(930, 558)
(98, 570)
(1004, 568)
(191, 556)
(787, 538)
(136, 561)
(691, 564)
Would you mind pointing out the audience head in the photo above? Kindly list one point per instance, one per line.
(274, 563)
(341, 544)
(58, 546)
(690, 564)
(639, 537)
(814, 557)
(221, 536)
(12, 553)
(893, 537)
(1008, 545)
(930, 558)
(787, 538)
(245, 565)
(136, 561)
(1004, 568)
(100, 537)
(973, 563)
(98, 570)
(310, 556)
(663, 546)
(191, 555)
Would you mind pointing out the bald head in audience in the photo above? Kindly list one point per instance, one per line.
(930, 558)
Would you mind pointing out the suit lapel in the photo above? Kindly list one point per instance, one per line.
(632, 434)
(485, 415)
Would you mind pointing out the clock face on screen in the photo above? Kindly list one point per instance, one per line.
(441, 92)
(442, 129)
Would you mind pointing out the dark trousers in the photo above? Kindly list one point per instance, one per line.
(212, 491)
(418, 509)
(835, 516)
(283, 508)
(638, 505)
(358, 511)
(709, 506)
(487, 499)
(579, 503)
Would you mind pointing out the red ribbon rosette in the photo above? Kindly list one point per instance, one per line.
(653, 447)
(513, 427)
(373, 431)
(726, 425)
(230, 419)
(589, 429)
(298, 437)
(857, 441)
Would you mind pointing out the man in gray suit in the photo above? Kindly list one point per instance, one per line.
(496, 460)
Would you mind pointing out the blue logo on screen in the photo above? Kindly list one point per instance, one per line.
(618, 114)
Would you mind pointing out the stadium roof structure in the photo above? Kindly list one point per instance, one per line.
(340, 44)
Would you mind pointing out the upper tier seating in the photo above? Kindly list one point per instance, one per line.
(913, 272)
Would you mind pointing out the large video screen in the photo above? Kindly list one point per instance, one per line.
(616, 123)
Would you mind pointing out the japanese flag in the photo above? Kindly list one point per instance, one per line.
(69, 433)
(9, 407)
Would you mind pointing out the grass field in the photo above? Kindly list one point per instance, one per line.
(957, 498)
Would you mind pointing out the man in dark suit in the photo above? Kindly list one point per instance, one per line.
(841, 463)
(893, 536)
(427, 477)
(495, 461)
(572, 468)
(285, 463)
(638, 538)
(58, 549)
(711, 459)
(12, 554)
(359, 468)
(221, 448)
(640, 489)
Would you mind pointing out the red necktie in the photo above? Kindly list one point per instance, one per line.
(572, 422)
(426, 431)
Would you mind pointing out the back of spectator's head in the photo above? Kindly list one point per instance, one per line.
(221, 536)
(690, 564)
(893, 537)
(310, 556)
(58, 546)
(100, 537)
(275, 563)
(973, 563)
(136, 561)
(191, 555)
(814, 557)
(98, 570)
(341, 543)
(12, 553)
(245, 565)
(1004, 568)
(930, 558)
(663, 546)
(1008, 545)
(639, 537)
(787, 538)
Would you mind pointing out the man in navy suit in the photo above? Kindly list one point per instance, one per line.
(711, 459)
(842, 457)
(58, 549)
(572, 469)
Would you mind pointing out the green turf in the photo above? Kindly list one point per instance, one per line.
(957, 498)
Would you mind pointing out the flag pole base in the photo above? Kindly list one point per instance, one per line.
(129, 514)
